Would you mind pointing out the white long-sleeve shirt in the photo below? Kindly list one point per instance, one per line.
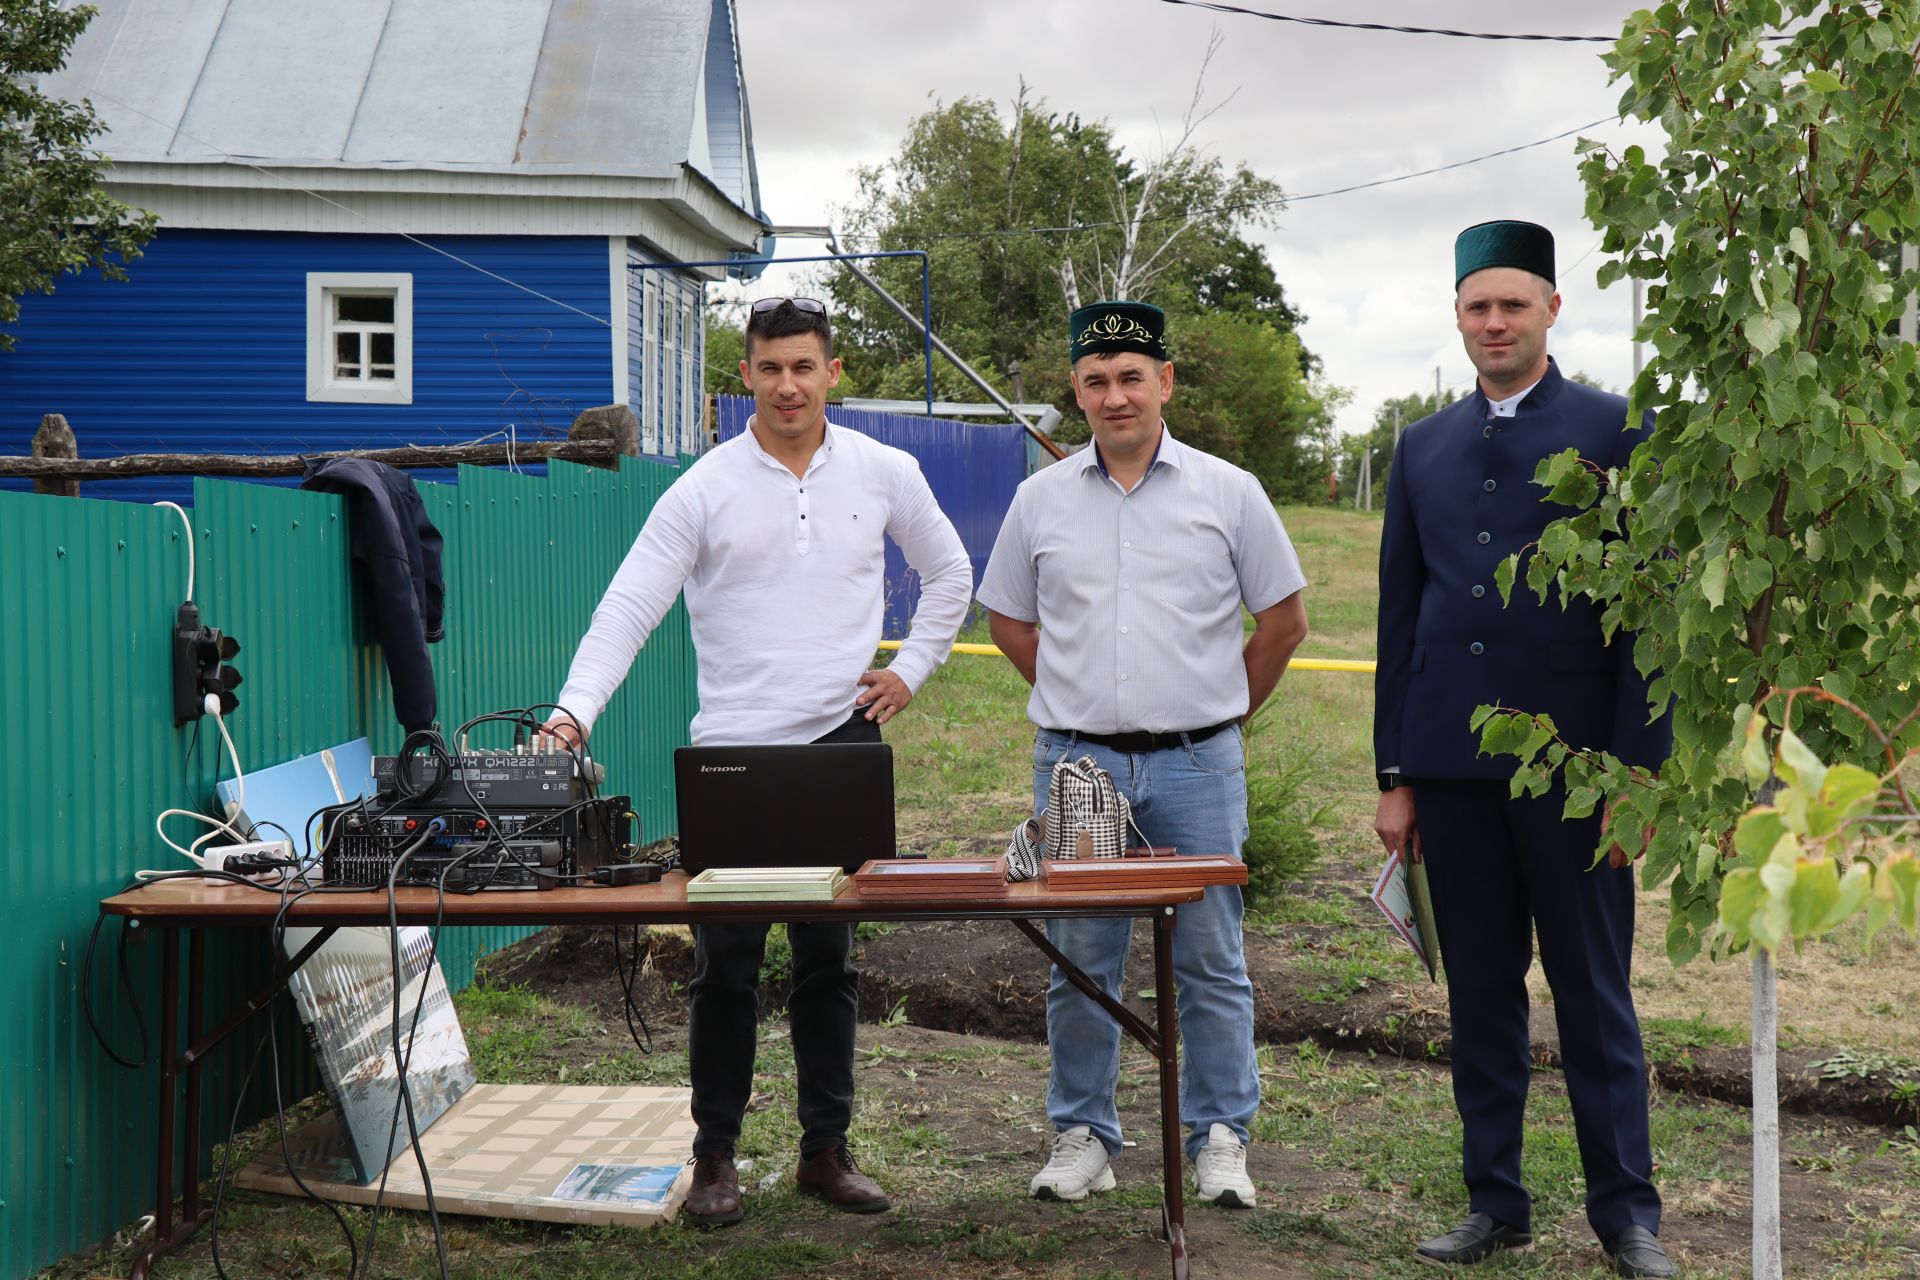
(784, 579)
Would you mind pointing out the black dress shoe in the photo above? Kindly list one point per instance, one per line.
(1475, 1240)
(1637, 1252)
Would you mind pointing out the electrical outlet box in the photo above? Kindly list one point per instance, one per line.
(198, 652)
(217, 857)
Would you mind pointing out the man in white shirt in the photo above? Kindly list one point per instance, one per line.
(1115, 587)
(778, 539)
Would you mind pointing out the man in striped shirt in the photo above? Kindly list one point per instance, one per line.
(1115, 588)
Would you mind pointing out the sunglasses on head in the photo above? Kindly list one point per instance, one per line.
(812, 306)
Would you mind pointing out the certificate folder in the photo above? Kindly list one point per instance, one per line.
(767, 884)
(938, 878)
(1175, 871)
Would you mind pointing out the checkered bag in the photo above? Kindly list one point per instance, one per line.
(1086, 817)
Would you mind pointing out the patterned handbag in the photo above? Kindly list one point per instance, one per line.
(1086, 817)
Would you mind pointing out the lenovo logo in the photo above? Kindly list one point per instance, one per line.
(723, 768)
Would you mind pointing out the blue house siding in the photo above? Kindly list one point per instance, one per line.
(203, 348)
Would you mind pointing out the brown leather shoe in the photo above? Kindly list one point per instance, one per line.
(832, 1176)
(714, 1198)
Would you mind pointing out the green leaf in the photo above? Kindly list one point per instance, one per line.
(1581, 801)
(1754, 754)
(1771, 922)
(1900, 875)
(1848, 792)
(1821, 81)
(1797, 241)
(1758, 833)
(1741, 897)
(1855, 886)
(1799, 766)
(1713, 580)
(1815, 891)
(1503, 577)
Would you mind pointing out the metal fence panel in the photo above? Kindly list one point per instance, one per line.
(85, 691)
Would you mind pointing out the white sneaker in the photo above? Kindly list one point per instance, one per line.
(1220, 1170)
(1078, 1165)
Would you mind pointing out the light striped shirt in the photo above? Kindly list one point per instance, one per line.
(784, 578)
(1138, 594)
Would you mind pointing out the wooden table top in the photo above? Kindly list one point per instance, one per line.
(176, 903)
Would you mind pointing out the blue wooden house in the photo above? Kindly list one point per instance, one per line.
(394, 221)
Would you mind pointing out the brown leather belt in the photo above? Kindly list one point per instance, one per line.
(1140, 741)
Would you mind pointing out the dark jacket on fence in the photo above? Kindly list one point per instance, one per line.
(396, 557)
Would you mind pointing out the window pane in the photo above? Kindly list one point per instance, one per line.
(374, 310)
(380, 348)
(380, 373)
(346, 348)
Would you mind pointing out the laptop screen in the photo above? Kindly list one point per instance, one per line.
(819, 805)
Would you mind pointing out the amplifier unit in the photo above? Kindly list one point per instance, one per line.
(477, 820)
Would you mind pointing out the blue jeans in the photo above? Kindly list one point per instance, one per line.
(1194, 797)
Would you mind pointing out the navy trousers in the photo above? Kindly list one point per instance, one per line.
(1502, 868)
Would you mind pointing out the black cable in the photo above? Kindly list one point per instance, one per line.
(1411, 31)
(1247, 206)
(1384, 26)
(226, 1157)
(126, 984)
(403, 1059)
(277, 934)
(627, 978)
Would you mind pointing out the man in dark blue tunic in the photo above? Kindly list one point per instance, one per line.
(1460, 499)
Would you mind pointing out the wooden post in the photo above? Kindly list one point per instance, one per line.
(615, 422)
(55, 439)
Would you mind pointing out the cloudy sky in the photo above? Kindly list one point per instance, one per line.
(833, 83)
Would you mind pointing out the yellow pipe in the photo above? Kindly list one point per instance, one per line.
(1298, 664)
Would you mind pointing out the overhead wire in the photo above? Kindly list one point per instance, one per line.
(1075, 228)
(1240, 11)
(1399, 29)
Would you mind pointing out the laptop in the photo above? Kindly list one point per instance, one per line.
(819, 805)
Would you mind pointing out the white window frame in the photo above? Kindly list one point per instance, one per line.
(322, 288)
(650, 441)
(690, 388)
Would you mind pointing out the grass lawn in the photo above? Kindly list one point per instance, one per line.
(1356, 1156)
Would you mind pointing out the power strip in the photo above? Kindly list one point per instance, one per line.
(217, 857)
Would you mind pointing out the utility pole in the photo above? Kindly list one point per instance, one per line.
(1637, 302)
(1436, 387)
(1910, 318)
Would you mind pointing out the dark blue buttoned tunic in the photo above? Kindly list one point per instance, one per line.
(1461, 499)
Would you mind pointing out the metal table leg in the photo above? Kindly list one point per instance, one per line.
(176, 1064)
(1174, 1207)
(1164, 1043)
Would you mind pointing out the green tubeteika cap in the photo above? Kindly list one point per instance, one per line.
(1526, 245)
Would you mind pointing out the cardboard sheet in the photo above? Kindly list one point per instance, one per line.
(612, 1155)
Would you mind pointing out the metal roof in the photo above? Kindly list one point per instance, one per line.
(613, 88)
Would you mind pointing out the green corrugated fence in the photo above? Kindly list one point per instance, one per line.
(90, 589)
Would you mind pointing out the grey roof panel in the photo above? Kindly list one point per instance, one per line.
(616, 82)
(138, 60)
(601, 87)
(453, 74)
(282, 81)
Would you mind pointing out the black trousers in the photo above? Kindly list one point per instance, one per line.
(1503, 869)
(823, 1011)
